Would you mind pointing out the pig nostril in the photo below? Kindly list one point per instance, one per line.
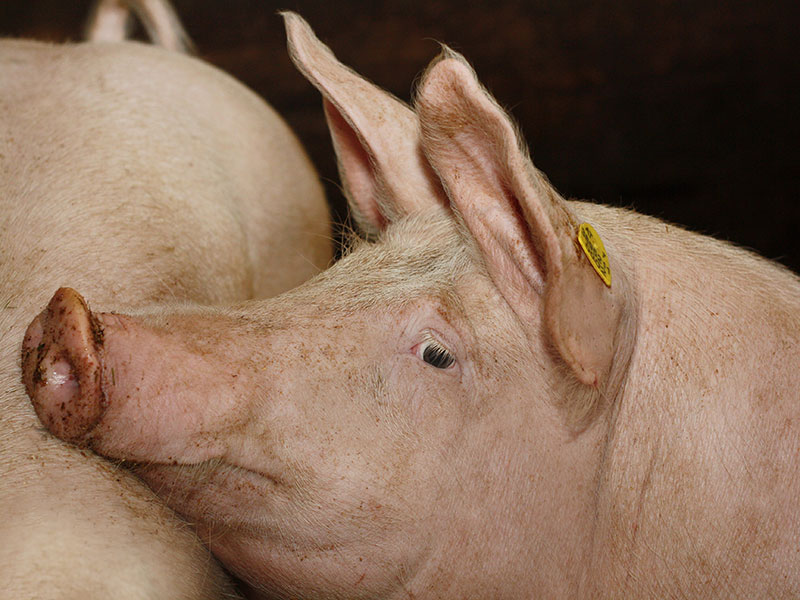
(57, 372)
(63, 401)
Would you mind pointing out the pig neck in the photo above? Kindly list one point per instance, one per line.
(701, 440)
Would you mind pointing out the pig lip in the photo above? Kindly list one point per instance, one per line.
(61, 367)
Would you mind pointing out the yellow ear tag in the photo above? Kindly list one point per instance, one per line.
(595, 251)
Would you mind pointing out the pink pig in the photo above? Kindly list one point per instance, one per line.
(140, 176)
(462, 407)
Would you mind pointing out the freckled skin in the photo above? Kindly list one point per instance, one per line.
(336, 442)
(637, 441)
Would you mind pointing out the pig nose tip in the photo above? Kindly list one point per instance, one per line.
(61, 368)
(56, 395)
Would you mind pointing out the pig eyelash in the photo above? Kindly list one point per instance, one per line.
(435, 354)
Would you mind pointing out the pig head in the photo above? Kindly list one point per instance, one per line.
(461, 407)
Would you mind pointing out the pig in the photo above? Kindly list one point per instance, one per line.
(497, 393)
(110, 20)
(142, 176)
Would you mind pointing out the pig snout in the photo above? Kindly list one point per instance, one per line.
(128, 387)
(61, 366)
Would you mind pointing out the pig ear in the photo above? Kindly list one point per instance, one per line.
(375, 135)
(526, 232)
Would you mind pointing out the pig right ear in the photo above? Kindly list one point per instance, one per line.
(376, 136)
(529, 237)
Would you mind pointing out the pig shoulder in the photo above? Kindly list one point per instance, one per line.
(706, 437)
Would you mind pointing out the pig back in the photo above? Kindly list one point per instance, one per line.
(142, 176)
(101, 139)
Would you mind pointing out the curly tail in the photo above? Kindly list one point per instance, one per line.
(110, 21)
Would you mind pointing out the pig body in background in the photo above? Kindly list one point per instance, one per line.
(461, 407)
(143, 176)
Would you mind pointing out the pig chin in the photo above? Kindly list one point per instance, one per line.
(246, 519)
(223, 503)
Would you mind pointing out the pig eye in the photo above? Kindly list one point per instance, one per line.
(436, 355)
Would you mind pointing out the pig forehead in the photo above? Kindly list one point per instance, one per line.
(423, 255)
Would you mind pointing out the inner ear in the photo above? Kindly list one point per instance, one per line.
(356, 170)
(510, 208)
(375, 135)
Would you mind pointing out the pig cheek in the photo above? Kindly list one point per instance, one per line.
(276, 542)
(415, 426)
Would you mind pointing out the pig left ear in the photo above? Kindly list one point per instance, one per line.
(375, 136)
(526, 232)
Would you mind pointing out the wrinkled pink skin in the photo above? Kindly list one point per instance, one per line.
(636, 441)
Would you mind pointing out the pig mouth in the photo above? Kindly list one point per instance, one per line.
(214, 492)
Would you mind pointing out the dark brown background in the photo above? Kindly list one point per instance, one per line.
(685, 109)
